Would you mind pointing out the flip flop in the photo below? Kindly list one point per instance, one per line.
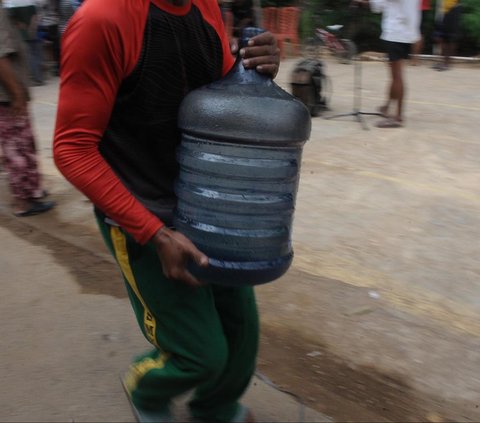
(389, 123)
(37, 207)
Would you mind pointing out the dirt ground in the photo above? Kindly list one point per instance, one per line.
(378, 317)
(294, 361)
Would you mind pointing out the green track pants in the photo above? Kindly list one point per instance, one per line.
(205, 338)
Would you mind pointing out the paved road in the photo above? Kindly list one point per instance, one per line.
(379, 313)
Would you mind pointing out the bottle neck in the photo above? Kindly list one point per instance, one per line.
(247, 76)
(248, 33)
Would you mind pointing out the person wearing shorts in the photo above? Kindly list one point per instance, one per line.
(397, 51)
(448, 32)
(400, 29)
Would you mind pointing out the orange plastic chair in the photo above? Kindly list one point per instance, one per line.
(269, 19)
(288, 22)
(228, 23)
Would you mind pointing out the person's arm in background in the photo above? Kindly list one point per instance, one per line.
(32, 23)
(17, 93)
(18, 102)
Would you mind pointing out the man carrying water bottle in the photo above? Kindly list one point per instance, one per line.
(126, 66)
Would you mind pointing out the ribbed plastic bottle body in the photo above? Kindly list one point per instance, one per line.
(236, 204)
(240, 159)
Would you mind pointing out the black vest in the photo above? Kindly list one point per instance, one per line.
(179, 54)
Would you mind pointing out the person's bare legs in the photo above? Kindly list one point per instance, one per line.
(395, 90)
(384, 109)
(395, 95)
(397, 87)
(416, 51)
(449, 48)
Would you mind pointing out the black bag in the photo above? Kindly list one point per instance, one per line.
(309, 84)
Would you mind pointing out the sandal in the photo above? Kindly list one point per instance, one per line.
(389, 123)
(37, 207)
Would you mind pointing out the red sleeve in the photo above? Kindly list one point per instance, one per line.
(212, 14)
(100, 48)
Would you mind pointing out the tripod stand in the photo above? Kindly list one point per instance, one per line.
(357, 87)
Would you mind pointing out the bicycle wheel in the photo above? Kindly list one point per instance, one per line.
(348, 51)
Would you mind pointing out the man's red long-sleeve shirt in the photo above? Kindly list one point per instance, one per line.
(126, 65)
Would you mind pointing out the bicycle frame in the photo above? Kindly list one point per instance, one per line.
(330, 40)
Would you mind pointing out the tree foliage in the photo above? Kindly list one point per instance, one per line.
(470, 42)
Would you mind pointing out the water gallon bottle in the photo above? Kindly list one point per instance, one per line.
(240, 155)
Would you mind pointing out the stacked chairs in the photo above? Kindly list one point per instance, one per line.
(269, 19)
(283, 22)
(288, 19)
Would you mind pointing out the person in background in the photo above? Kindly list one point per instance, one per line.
(25, 19)
(126, 67)
(223, 7)
(417, 49)
(448, 32)
(400, 29)
(48, 27)
(16, 137)
(65, 11)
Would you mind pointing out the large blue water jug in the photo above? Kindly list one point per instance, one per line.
(240, 155)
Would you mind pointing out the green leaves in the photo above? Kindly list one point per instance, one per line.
(471, 22)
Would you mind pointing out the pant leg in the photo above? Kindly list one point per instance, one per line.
(217, 399)
(181, 322)
(54, 37)
(35, 56)
(20, 156)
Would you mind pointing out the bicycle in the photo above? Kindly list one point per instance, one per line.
(342, 48)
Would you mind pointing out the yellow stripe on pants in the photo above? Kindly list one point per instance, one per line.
(138, 370)
(120, 247)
